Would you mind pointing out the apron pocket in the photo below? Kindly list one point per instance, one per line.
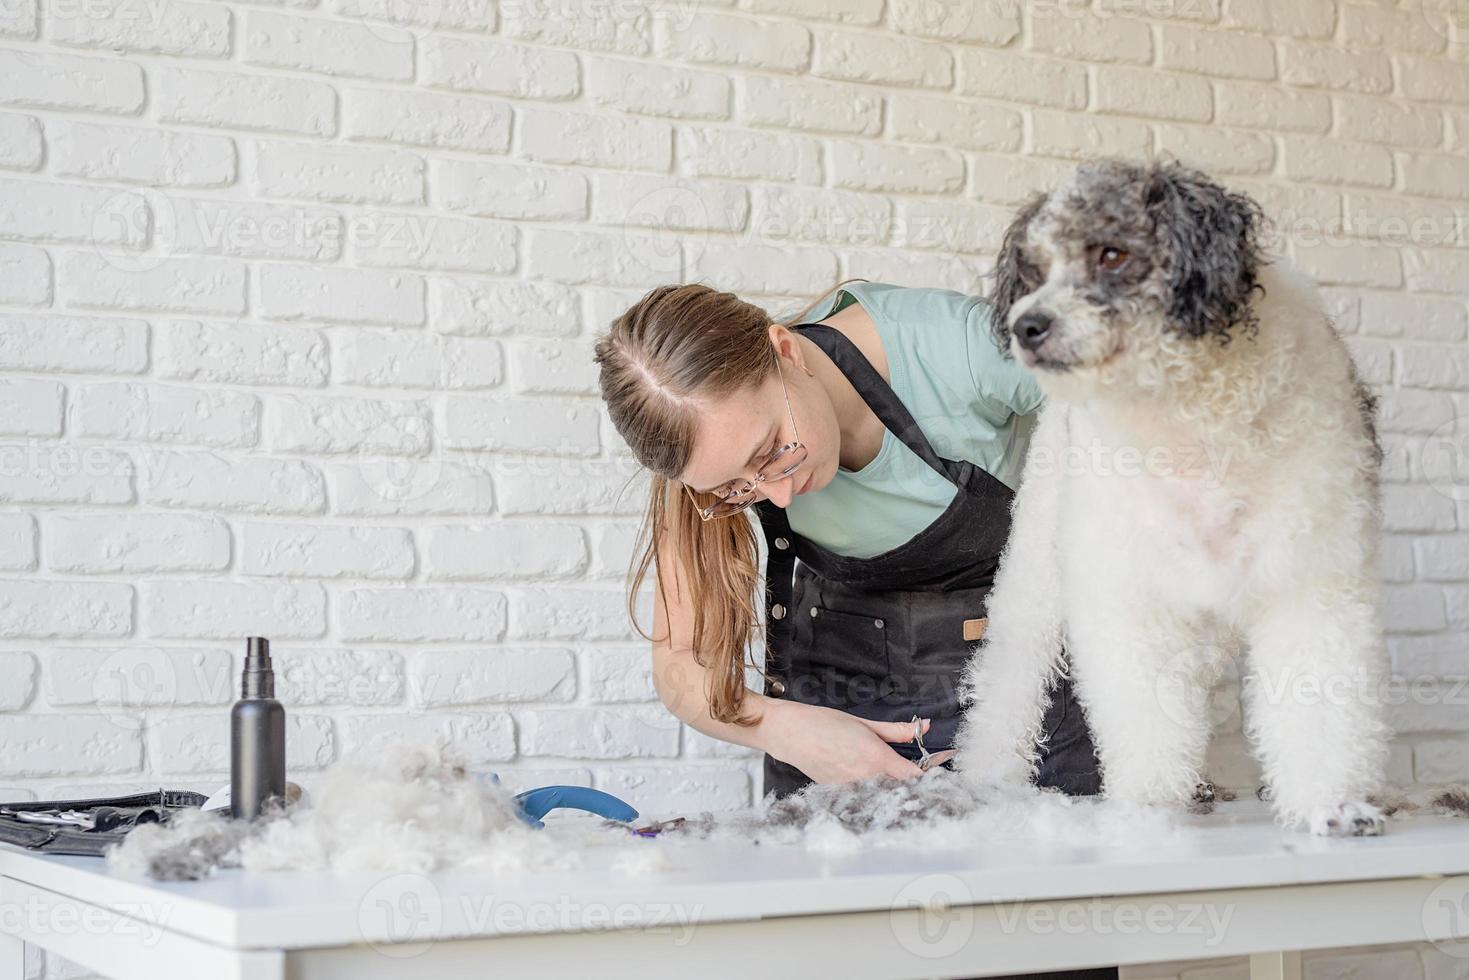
(840, 658)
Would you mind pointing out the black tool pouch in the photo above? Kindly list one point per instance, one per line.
(120, 815)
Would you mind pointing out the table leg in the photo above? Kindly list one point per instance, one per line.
(1275, 966)
(12, 958)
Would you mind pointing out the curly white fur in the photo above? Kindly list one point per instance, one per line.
(1247, 518)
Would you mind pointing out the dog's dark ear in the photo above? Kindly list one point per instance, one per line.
(1013, 278)
(1211, 237)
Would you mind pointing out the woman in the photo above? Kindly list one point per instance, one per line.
(880, 444)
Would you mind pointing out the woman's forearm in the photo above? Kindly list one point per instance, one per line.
(683, 687)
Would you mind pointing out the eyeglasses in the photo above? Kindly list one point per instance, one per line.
(736, 495)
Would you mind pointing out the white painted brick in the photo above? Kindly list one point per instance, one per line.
(567, 613)
(20, 142)
(559, 427)
(371, 487)
(216, 609)
(763, 268)
(1436, 270)
(862, 56)
(617, 675)
(36, 473)
(1300, 18)
(964, 124)
(1442, 760)
(874, 166)
(354, 296)
(250, 229)
(1068, 32)
(550, 367)
(1009, 180)
(1435, 174)
(669, 789)
(421, 613)
(1212, 52)
(1260, 106)
(507, 550)
(20, 672)
(252, 485)
(599, 733)
(331, 47)
(180, 27)
(1429, 710)
(521, 71)
(138, 677)
(164, 413)
(325, 425)
(1342, 263)
(479, 737)
(478, 308)
(240, 353)
(426, 119)
(1330, 161)
(1012, 76)
(1393, 315)
(1200, 11)
(187, 285)
(735, 40)
(1373, 26)
(330, 676)
(1217, 151)
(135, 543)
(1328, 66)
(808, 104)
(1443, 558)
(19, 18)
(668, 204)
(1433, 366)
(491, 676)
(140, 155)
(556, 136)
(624, 28)
(1061, 134)
(30, 408)
(1388, 121)
(707, 152)
(387, 359)
(72, 609)
(17, 542)
(1433, 80)
(623, 258)
(337, 551)
(949, 225)
(67, 745)
(1149, 92)
(48, 80)
(1373, 359)
(612, 547)
(434, 242)
(73, 213)
(496, 190)
(985, 23)
(347, 174)
(198, 743)
(235, 100)
(658, 89)
(471, 15)
(1406, 410)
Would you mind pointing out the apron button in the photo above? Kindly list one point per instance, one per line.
(778, 611)
(813, 612)
(777, 688)
(782, 543)
(877, 623)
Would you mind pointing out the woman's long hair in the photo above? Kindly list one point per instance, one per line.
(678, 348)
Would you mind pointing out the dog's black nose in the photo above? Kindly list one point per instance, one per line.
(1032, 328)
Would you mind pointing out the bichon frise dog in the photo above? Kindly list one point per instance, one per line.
(1202, 479)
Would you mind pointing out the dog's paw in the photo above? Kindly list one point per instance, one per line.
(1347, 820)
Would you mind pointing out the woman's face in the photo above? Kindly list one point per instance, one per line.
(738, 432)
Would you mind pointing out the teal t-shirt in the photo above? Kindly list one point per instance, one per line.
(970, 400)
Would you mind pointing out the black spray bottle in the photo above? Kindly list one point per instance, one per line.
(257, 736)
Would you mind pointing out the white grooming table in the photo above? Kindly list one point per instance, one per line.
(1230, 884)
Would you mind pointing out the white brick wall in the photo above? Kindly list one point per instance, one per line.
(296, 304)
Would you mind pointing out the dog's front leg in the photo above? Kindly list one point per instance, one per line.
(1004, 687)
(1140, 672)
(1314, 708)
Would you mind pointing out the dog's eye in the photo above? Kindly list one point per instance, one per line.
(1109, 258)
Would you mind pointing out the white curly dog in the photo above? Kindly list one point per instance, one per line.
(1202, 481)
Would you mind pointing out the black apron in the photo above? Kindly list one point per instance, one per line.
(883, 637)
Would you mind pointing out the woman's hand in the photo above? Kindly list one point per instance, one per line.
(832, 746)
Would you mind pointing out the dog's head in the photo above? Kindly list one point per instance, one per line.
(1124, 268)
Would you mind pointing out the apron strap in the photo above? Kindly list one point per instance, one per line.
(878, 395)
